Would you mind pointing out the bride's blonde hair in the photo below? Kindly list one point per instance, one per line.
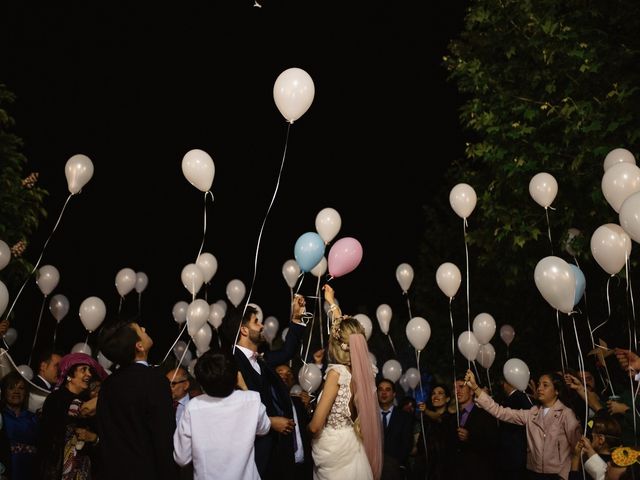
(341, 329)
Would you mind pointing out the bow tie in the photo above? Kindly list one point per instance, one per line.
(257, 356)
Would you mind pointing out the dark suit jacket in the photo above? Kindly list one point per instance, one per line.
(512, 444)
(136, 424)
(475, 457)
(274, 452)
(40, 383)
(398, 436)
(304, 471)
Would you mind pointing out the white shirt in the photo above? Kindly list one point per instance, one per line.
(218, 435)
(45, 381)
(250, 356)
(299, 453)
(182, 403)
(388, 415)
(596, 467)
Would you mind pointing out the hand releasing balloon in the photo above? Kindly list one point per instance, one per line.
(48, 278)
(543, 188)
(463, 199)
(92, 313)
(448, 278)
(418, 332)
(290, 272)
(516, 372)
(293, 93)
(392, 370)
(328, 223)
(610, 247)
(198, 169)
(404, 276)
(556, 282)
(125, 281)
(344, 256)
(308, 250)
(78, 170)
(59, 307)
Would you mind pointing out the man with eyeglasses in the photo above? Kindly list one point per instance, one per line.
(179, 381)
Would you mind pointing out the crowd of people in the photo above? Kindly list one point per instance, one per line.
(238, 415)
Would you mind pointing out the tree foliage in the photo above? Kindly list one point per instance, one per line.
(550, 87)
(20, 199)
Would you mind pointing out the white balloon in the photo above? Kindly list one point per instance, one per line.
(125, 281)
(413, 377)
(486, 355)
(270, 330)
(198, 169)
(10, 336)
(92, 313)
(630, 216)
(543, 188)
(404, 383)
(619, 182)
(310, 377)
(202, 338)
(81, 348)
(104, 361)
(283, 335)
(25, 371)
(197, 315)
(58, 306)
(516, 372)
(365, 321)
(462, 199)
(235, 291)
(296, 390)
(47, 279)
(208, 264)
(216, 314)
(328, 223)
(293, 93)
(448, 278)
(418, 332)
(468, 345)
(259, 314)
(320, 268)
(616, 156)
(179, 348)
(223, 305)
(78, 170)
(383, 314)
(392, 370)
(179, 312)
(507, 333)
(4, 297)
(610, 247)
(192, 278)
(291, 272)
(5, 254)
(556, 282)
(404, 276)
(142, 280)
(186, 359)
(484, 327)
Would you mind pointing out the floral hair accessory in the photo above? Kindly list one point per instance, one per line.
(335, 327)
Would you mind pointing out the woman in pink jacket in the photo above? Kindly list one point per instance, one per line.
(552, 427)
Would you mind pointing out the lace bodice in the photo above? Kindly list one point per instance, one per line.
(340, 414)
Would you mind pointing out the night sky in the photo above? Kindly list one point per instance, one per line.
(134, 89)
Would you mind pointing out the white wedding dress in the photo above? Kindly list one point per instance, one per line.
(338, 453)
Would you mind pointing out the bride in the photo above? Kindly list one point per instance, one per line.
(346, 428)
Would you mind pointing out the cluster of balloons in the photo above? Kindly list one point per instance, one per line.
(127, 279)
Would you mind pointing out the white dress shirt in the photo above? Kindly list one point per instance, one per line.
(250, 354)
(218, 434)
(182, 403)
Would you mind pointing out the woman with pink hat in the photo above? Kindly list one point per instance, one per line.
(66, 438)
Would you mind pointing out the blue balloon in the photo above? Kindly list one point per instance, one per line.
(580, 283)
(309, 250)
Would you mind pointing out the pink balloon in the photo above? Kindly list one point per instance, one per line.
(344, 256)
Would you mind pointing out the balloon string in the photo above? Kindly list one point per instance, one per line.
(140, 305)
(453, 353)
(546, 212)
(319, 309)
(635, 411)
(35, 337)
(466, 252)
(313, 320)
(489, 382)
(39, 259)
(392, 346)
(204, 223)
(409, 306)
(608, 306)
(633, 308)
(584, 376)
(86, 340)
(184, 353)
(174, 344)
(562, 347)
(55, 332)
(475, 369)
(264, 221)
(120, 304)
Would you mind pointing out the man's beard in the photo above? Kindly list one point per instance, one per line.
(256, 337)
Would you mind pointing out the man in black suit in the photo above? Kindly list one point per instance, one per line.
(135, 411)
(512, 439)
(275, 452)
(470, 445)
(398, 432)
(46, 364)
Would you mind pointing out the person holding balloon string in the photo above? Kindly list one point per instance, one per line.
(346, 426)
(553, 429)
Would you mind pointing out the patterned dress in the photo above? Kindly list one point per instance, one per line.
(338, 452)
